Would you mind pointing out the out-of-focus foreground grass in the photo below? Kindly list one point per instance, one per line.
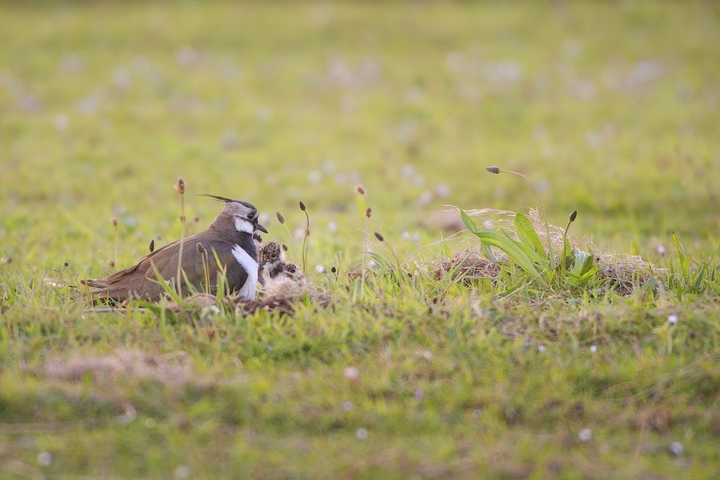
(612, 108)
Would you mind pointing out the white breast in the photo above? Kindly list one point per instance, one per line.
(251, 267)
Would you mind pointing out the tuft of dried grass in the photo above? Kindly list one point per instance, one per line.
(626, 273)
(466, 266)
(127, 364)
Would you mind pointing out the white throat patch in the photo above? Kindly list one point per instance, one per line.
(242, 225)
(251, 267)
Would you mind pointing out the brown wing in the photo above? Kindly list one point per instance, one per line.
(140, 279)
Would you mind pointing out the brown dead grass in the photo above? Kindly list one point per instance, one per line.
(169, 370)
(466, 266)
(627, 273)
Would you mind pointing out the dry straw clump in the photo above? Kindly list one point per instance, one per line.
(466, 266)
(627, 273)
(121, 365)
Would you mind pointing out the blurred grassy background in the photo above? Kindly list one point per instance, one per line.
(611, 107)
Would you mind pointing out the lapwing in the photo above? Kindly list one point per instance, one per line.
(230, 244)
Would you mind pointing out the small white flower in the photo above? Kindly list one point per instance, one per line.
(182, 472)
(127, 416)
(319, 269)
(72, 63)
(351, 373)
(661, 250)
(263, 114)
(45, 458)
(332, 227)
(477, 413)
(230, 141)
(442, 190)
(539, 133)
(585, 435)
(541, 348)
(341, 179)
(314, 177)
(427, 355)
(121, 78)
(361, 433)
(328, 166)
(672, 319)
(424, 199)
(62, 122)
(455, 61)
(593, 348)
(347, 405)
(676, 448)
(573, 48)
(187, 57)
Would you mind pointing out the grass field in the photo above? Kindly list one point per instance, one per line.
(611, 108)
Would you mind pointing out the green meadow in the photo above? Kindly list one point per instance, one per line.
(590, 363)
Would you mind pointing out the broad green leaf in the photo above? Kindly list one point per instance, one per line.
(684, 261)
(538, 258)
(527, 235)
(516, 252)
(381, 260)
(678, 246)
(469, 224)
(487, 251)
(580, 279)
(649, 286)
(697, 285)
(583, 262)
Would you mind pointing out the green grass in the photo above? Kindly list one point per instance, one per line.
(611, 108)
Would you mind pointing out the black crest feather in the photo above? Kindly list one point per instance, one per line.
(217, 197)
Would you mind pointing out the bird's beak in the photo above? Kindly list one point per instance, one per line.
(261, 228)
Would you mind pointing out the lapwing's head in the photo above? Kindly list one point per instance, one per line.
(243, 215)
